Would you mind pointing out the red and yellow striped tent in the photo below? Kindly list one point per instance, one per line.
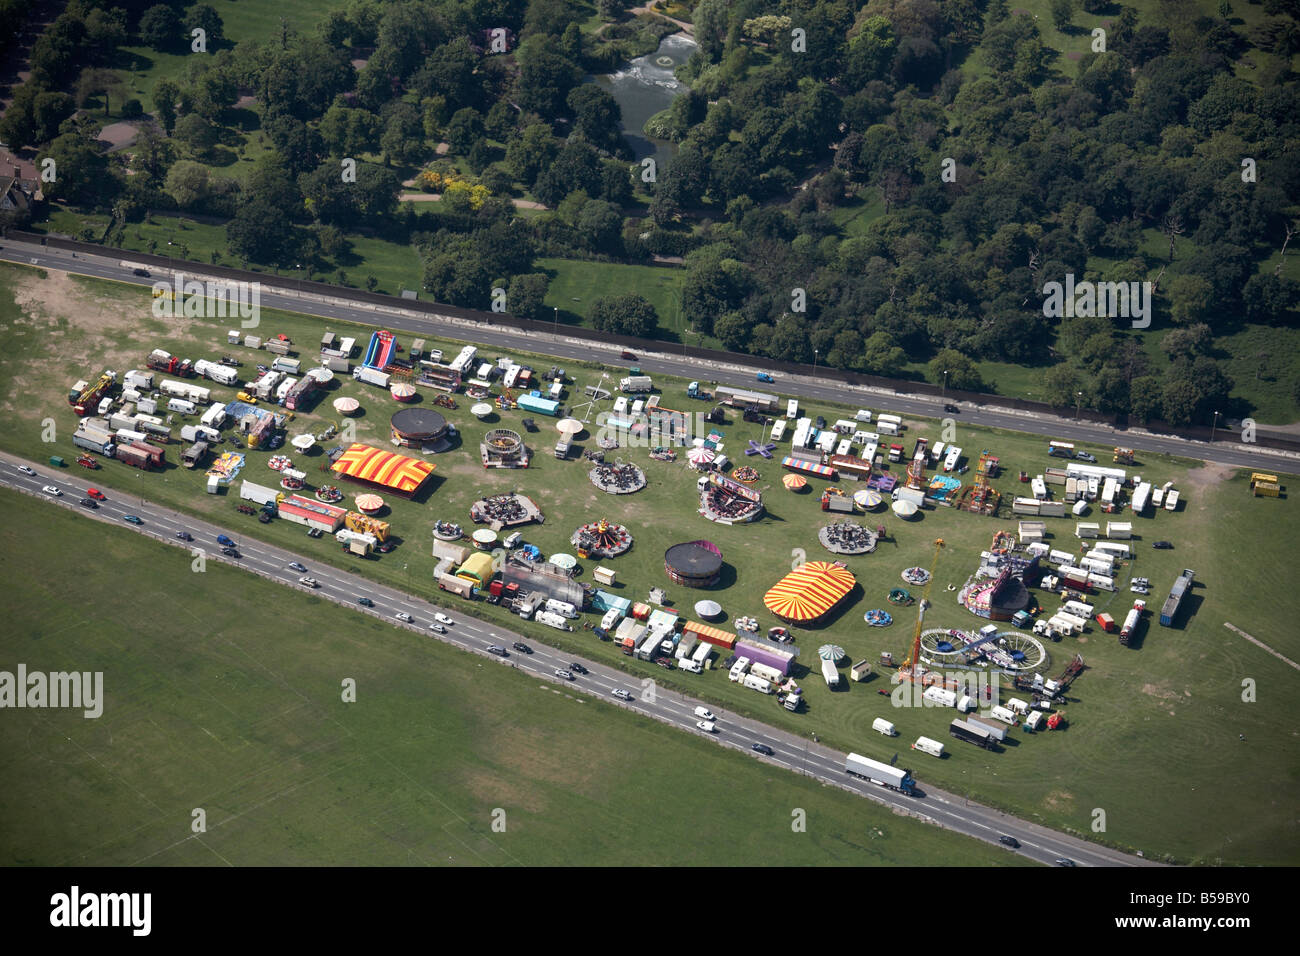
(383, 469)
(809, 591)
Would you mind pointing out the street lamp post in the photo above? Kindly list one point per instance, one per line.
(944, 394)
(1077, 402)
(555, 326)
(1213, 426)
(814, 361)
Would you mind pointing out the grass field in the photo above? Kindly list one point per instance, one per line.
(1146, 714)
(230, 701)
(576, 284)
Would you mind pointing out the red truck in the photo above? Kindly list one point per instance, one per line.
(161, 361)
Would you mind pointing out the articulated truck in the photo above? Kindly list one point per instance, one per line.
(881, 774)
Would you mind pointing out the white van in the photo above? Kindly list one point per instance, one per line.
(691, 667)
(1004, 715)
(882, 726)
(705, 725)
(792, 408)
(704, 713)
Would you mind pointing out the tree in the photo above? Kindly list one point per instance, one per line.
(531, 152)
(628, 314)
(1062, 14)
(165, 95)
(195, 134)
(599, 225)
(732, 330)
(962, 372)
(187, 183)
(160, 28)
(597, 116)
(1061, 386)
(208, 20)
(463, 130)
(261, 233)
(526, 296)
(1191, 299)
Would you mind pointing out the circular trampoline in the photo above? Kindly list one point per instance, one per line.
(413, 427)
(693, 564)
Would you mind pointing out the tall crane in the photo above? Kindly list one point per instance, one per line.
(911, 668)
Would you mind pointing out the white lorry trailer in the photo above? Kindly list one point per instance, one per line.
(881, 774)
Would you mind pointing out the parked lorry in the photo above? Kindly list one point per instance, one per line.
(100, 442)
(636, 384)
(137, 379)
(371, 376)
(972, 734)
(161, 361)
(881, 774)
(1131, 622)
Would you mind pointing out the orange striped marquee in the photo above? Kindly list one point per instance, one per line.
(809, 591)
(383, 468)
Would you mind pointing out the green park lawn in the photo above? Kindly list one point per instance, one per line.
(229, 700)
(1143, 714)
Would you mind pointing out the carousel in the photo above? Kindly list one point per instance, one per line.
(620, 478)
(447, 531)
(601, 539)
(746, 474)
(329, 494)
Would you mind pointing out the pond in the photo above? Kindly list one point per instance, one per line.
(645, 86)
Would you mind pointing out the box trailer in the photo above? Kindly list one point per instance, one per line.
(702, 652)
(995, 730)
(1183, 585)
(1119, 529)
(1080, 507)
(830, 674)
(882, 726)
(928, 746)
(1087, 529)
(881, 774)
(538, 405)
(649, 646)
(138, 379)
(1141, 497)
(910, 494)
(99, 442)
(290, 366)
(1112, 547)
(636, 384)
(972, 734)
(1052, 509)
(371, 376)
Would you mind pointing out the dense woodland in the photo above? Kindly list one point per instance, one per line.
(1056, 165)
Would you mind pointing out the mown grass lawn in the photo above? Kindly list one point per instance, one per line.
(1145, 713)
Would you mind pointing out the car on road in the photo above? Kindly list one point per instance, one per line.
(404, 617)
(308, 582)
(1009, 841)
(87, 503)
(1064, 861)
(1162, 545)
(577, 668)
(52, 491)
(96, 494)
(230, 553)
(442, 618)
(1086, 456)
(627, 355)
(951, 409)
(521, 647)
(133, 519)
(27, 471)
(705, 725)
(566, 675)
(704, 713)
(297, 567)
(365, 602)
(140, 272)
(184, 536)
(438, 628)
(763, 749)
(765, 377)
(621, 694)
(498, 650)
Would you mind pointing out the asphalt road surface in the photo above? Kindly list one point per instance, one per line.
(791, 752)
(1237, 454)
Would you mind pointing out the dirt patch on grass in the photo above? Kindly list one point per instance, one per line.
(1059, 799)
(1160, 693)
(1209, 475)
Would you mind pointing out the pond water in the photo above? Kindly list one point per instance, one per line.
(644, 87)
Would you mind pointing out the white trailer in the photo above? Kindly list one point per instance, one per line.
(995, 729)
(928, 746)
(1080, 507)
(830, 674)
(556, 621)
(649, 646)
(882, 726)
(778, 430)
(1079, 609)
(1119, 529)
(181, 406)
(1038, 487)
(757, 683)
(889, 424)
(562, 608)
(192, 393)
(862, 415)
(702, 652)
(1112, 547)
(881, 774)
(792, 408)
(940, 696)
(215, 416)
(216, 372)
(1108, 490)
(766, 672)
(952, 459)
(138, 379)
(1140, 497)
(637, 384)
(1004, 715)
(1171, 500)
(371, 376)
(1087, 529)
(1018, 705)
(738, 669)
(685, 647)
